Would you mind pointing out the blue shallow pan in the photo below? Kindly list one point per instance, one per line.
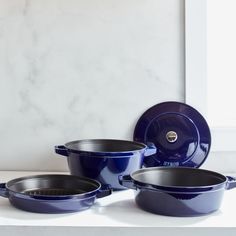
(178, 191)
(53, 193)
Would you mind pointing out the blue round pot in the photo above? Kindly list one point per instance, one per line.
(178, 191)
(105, 159)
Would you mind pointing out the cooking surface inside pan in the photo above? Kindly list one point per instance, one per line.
(104, 145)
(182, 177)
(52, 185)
(52, 191)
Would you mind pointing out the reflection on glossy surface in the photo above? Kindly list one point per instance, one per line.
(190, 139)
(105, 159)
(181, 204)
(52, 193)
(104, 169)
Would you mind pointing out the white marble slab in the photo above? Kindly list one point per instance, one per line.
(83, 69)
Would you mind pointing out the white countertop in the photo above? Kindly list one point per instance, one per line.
(116, 213)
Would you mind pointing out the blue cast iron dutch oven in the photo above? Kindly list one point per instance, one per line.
(53, 193)
(105, 159)
(178, 191)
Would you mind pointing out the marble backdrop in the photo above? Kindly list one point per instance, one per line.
(76, 69)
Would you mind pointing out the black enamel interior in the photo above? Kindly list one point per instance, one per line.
(104, 145)
(52, 185)
(181, 177)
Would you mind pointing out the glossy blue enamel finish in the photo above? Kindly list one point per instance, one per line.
(54, 204)
(179, 200)
(51, 206)
(192, 134)
(104, 167)
(179, 204)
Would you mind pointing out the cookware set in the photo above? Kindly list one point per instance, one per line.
(171, 141)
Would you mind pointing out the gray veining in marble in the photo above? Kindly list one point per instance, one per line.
(83, 69)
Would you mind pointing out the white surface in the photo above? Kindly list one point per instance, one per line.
(83, 69)
(210, 70)
(116, 213)
(195, 55)
(221, 73)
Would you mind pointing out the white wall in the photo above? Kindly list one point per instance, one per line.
(75, 69)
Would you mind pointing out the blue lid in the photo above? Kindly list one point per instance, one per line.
(180, 133)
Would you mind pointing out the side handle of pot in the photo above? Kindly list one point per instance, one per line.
(127, 181)
(61, 150)
(150, 150)
(231, 182)
(3, 190)
(104, 191)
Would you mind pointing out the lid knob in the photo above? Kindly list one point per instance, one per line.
(171, 136)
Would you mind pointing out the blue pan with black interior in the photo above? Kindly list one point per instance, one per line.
(178, 191)
(53, 193)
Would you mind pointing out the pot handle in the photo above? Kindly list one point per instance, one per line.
(231, 182)
(3, 191)
(61, 150)
(150, 150)
(104, 191)
(127, 181)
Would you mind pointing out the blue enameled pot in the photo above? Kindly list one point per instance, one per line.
(104, 159)
(178, 191)
(53, 193)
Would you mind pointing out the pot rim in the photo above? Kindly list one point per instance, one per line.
(126, 152)
(78, 196)
(178, 189)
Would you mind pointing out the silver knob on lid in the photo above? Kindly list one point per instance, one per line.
(171, 136)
